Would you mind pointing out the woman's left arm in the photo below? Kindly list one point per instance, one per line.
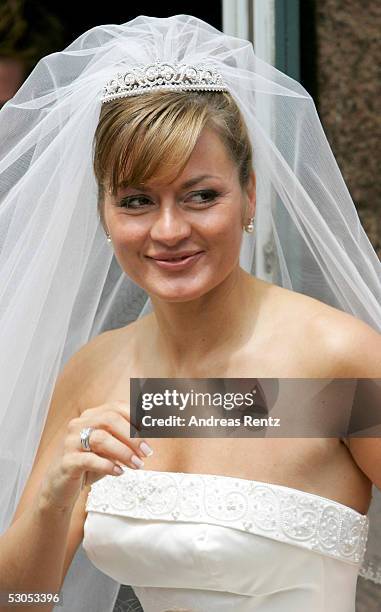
(367, 454)
(355, 349)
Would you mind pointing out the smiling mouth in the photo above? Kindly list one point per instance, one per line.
(177, 263)
(176, 258)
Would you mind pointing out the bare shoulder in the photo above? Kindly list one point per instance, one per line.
(99, 349)
(346, 346)
(99, 362)
(352, 346)
(75, 383)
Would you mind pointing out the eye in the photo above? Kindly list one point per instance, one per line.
(204, 196)
(134, 202)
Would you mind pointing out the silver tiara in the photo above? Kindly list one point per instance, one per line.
(161, 75)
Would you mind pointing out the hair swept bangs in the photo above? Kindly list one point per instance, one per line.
(154, 134)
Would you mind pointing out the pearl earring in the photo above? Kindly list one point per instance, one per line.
(249, 228)
(108, 237)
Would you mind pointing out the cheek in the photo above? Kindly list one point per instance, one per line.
(128, 244)
(224, 228)
(128, 234)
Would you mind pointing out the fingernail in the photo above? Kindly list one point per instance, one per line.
(146, 449)
(118, 470)
(137, 461)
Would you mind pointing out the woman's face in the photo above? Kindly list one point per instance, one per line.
(202, 212)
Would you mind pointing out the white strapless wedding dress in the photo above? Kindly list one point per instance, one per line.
(216, 544)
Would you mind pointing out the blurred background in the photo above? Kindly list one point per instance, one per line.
(332, 47)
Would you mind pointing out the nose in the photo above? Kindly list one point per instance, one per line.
(170, 226)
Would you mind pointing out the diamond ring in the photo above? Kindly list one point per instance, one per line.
(85, 435)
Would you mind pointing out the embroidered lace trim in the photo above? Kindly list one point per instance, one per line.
(274, 511)
(369, 572)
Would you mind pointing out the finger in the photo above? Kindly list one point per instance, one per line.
(106, 445)
(123, 408)
(114, 423)
(76, 463)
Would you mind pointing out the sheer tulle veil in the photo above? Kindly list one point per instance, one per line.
(59, 282)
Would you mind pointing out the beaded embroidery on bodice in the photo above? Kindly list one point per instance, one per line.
(273, 511)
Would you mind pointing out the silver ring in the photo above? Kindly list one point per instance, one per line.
(85, 435)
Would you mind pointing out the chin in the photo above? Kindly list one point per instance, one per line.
(180, 289)
(184, 295)
(184, 291)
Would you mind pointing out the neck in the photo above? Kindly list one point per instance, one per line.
(189, 335)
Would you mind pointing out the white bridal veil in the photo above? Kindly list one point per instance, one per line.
(59, 282)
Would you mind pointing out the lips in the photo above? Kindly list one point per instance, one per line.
(178, 263)
(178, 257)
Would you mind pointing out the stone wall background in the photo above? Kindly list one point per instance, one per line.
(348, 92)
(348, 51)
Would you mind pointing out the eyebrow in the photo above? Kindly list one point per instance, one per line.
(195, 180)
(186, 185)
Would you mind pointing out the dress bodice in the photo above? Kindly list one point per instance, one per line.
(210, 543)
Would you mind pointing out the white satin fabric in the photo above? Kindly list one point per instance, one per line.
(210, 543)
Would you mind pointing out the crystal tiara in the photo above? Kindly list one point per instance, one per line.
(161, 75)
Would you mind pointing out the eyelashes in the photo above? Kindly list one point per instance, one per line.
(210, 193)
(139, 202)
(127, 202)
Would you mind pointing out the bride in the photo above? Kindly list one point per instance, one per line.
(204, 524)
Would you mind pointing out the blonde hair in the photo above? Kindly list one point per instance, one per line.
(154, 134)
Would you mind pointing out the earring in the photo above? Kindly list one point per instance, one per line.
(249, 228)
(108, 237)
